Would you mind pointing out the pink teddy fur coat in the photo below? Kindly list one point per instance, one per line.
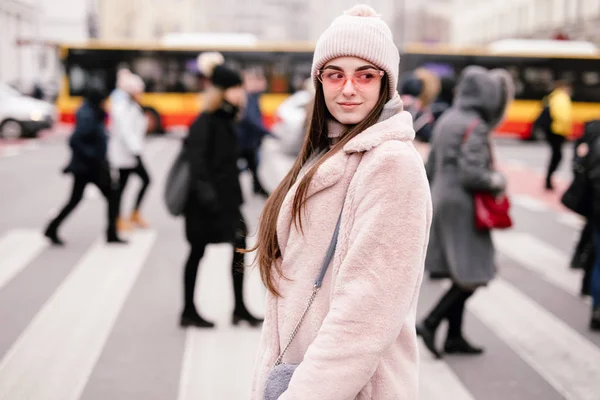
(358, 340)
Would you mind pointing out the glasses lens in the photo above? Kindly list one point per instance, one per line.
(367, 78)
(332, 78)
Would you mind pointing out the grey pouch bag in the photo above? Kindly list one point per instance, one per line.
(281, 374)
(278, 380)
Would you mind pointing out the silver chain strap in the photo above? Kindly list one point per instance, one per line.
(297, 328)
(316, 288)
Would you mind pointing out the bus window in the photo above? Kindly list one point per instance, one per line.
(538, 82)
(582, 75)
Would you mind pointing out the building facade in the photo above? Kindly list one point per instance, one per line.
(17, 19)
(273, 20)
(29, 32)
(483, 21)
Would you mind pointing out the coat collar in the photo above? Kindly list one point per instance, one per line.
(397, 127)
(394, 124)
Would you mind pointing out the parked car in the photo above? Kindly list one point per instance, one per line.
(289, 125)
(23, 116)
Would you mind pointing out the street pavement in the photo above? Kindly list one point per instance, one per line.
(93, 321)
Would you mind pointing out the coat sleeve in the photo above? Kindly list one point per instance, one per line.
(474, 164)
(197, 150)
(378, 280)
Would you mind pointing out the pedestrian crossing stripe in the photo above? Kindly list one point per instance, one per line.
(54, 356)
(446, 384)
(17, 249)
(535, 255)
(567, 360)
(60, 347)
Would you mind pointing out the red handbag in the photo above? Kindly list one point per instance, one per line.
(491, 212)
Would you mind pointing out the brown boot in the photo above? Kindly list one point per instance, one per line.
(123, 225)
(137, 220)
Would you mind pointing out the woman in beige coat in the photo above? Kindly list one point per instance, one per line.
(358, 338)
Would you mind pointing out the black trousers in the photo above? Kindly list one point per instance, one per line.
(110, 192)
(585, 255)
(124, 173)
(251, 157)
(237, 270)
(556, 144)
(451, 306)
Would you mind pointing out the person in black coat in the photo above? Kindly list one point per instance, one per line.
(590, 154)
(89, 164)
(212, 213)
(584, 253)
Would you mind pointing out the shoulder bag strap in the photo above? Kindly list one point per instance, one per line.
(316, 287)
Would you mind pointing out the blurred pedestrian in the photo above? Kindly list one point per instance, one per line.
(579, 198)
(591, 170)
(250, 129)
(419, 90)
(128, 133)
(89, 164)
(457, 167)
(445, 97)
(118, 94)
(355, 337)
(561, 120)
(212, 213)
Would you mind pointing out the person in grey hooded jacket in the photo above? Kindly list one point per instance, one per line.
(457, 167)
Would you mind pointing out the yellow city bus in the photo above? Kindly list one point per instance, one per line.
(171, 75)
(172, 82)
(534, 65)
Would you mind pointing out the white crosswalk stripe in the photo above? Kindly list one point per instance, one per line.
(537, 256)
(62, 344)
(60, 351)
(437, 381)
(563, 357)
(17, 249)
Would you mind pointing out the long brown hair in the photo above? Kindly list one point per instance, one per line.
(315, 141)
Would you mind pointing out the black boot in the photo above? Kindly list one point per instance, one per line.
(427, 333)
(52, 234)
(114, 239)
(458, 345)
(428, 327)
(244, 315)
(190, 317)
(595, 320)
(259, 190)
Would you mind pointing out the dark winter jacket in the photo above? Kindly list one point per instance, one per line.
(88, 142)
(212, 213)
(590, 164)
(250, 129)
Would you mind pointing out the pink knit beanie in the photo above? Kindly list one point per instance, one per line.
(359, 32)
